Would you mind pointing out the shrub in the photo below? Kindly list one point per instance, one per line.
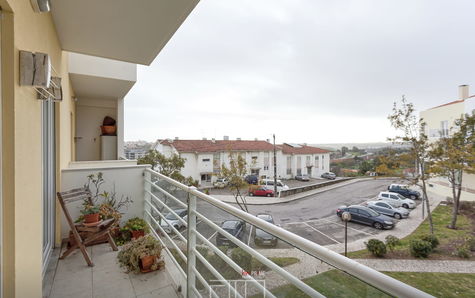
(376, 247)
(463, 251)
(242, 258)
(130, 255)
(470, 242)
(392, 242)
(466, 205)
(432, 239)
(420, 248)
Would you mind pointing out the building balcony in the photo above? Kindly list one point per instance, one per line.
(195, 265)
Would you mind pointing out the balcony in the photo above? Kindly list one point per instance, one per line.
(195, 266)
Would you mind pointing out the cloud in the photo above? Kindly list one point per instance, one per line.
(310, 71)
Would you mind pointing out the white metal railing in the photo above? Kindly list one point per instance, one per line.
(154, 206)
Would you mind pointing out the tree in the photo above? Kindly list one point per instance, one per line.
(366, 166)
(168, 166)
(412, 132)
(454, 155)
(235, 174)
(344, 150)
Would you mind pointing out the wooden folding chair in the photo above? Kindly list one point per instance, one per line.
(95, 232)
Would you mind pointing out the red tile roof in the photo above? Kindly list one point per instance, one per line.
(218, 145)
(451, 103)
(302, 149)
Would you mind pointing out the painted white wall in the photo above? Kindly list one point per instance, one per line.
(127, 179)
(120, 128)
(102, 67)
(89, 116)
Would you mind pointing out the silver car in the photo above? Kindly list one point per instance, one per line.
(173, 220)
(387, 209)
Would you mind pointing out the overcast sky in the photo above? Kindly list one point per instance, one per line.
(314, 71)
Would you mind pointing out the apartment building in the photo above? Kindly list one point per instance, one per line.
(301, 159)
(440, 121)
(51, 131)
(205, 157)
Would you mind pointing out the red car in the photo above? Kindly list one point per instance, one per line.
(261, 191)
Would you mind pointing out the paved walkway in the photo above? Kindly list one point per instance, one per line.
(272, 200)
(420, 265)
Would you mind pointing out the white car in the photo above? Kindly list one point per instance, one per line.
(171, 218)
(269, 183)
(221, 183)
(396, 200)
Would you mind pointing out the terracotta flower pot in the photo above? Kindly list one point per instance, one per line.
(138, 234)
(108, 130)
(90, 218)
(147, 262)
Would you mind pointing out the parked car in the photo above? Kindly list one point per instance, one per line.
(233, 227)
(405, 191)
(396, 200)
(251, 179)
(173, 220)
(367, 216)
(221, 183)
(261, 191)
(302, 178)
(262, 237)
(329, 175)
(386, 209)
(269, 183)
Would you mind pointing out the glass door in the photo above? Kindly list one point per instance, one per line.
(49, 179)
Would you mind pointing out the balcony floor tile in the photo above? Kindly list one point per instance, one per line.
(73, 278)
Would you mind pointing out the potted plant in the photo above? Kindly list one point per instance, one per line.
(141, 255)
(90, 214)
(137, 227)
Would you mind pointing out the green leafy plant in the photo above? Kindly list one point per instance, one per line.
(463, 251)
(420, 248)
(136, 224)
(130, 255)
(242, 258)
(376, 247)
(88, 209)
(432, 239)
(392, 242)
(470, 242)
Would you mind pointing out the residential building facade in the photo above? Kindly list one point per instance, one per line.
(439, 123)
(301, 159)
(205, 157)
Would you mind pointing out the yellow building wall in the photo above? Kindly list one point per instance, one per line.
(22, 29)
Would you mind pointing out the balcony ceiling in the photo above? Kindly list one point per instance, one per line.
(99, 87)
(131, 31)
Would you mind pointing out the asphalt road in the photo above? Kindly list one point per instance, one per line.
(312, 218)
(323, 204)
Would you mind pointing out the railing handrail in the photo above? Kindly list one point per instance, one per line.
(373, 277)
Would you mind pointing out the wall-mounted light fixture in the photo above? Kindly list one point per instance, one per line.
(41, 5)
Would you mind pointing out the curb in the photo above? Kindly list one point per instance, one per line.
(303, 196)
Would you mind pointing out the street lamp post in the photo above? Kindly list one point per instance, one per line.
(346, 217)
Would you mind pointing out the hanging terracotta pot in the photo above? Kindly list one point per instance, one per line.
(108, 130)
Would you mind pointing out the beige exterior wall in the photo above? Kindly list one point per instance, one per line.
(22, 29)
(433, 117)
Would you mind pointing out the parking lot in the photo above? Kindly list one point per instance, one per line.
(312, 218)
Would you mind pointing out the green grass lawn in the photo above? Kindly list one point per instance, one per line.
(441, 217)
(338, 284)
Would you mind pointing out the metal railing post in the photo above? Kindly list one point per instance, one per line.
(147, 190)
(191, 243)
